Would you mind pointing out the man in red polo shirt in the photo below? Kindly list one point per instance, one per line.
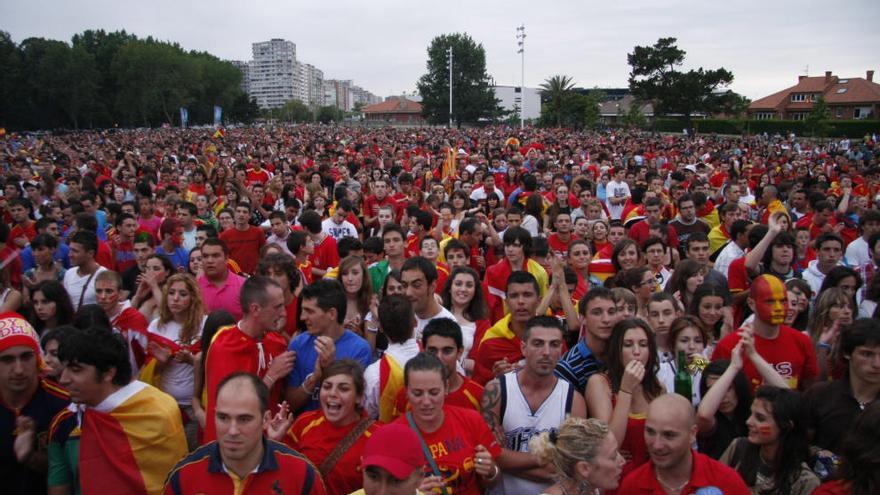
(561, 238)
(24, 230)
(244, 240)
(379, 198)
(670, 432)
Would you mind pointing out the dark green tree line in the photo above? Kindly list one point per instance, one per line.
(103, 79)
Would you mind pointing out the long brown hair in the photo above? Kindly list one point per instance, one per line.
(615, 364)
(193, 321)
(366, 292)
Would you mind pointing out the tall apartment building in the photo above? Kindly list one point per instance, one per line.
(245, 69)
(308, 83)
(272, 73)
(337, 92)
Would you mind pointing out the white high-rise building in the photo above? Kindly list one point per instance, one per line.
(245, 69)
(308, 83)
(272, 73)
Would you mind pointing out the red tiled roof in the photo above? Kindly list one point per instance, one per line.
(398, 105)
(858, 90)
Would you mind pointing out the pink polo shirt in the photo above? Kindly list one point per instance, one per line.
(224, 297)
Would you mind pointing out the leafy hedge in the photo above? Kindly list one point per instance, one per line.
(835, 128)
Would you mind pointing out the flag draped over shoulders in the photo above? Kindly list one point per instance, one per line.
(130, 442)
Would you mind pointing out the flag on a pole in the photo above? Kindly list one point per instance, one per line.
(218, 115)
(184, 117)
(220, 133)
(448, 164)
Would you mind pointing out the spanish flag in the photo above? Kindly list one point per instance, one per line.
(130, 442)
(149, 373)
(220, 133)
(390, 384)
(495, 284)
(448, 164)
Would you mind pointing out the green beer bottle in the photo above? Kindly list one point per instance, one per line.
(683, 380)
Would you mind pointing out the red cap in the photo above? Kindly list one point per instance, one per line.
(395, 448)
(15, 331)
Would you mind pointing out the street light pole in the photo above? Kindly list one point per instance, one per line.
(521, 36)
(449, 52)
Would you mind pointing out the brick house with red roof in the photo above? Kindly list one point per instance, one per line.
(395, 111)
(852, 98)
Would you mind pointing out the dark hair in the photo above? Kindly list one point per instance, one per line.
(44, 240)
(99, 347)
(861, 332)
(826, 237)
(614, 362)
(259, 388)
(708, 289)
(837, 274)
(348, 367)
(424, 361)
(632, 277)
(86, 222)
(476, 309)
(454, 244)
(216, 320)
(91, 315)
(55, 292)
(216, 241)
(328, 294)
(860, 453)
(594, 293)
(428, 269)
(443, 327)
(544, 321)
(786, 407)
(396, 317)
(392, 227)
(346, 245)
(650, 241)
(678, 281)
(523, 277)
(741, 389)
(254, 291)
(619, 247)
(739, 227)
(373, 245)
(697, 237)
(520, 234)
(296, 240)
(311, 221)
(87, 239)
(281, 262)
(392, 275)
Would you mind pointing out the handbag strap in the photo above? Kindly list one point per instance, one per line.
(82, 295)
(343, 446)
(426, 451)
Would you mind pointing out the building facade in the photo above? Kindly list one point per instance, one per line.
(245, 68)
(847, 98)
(395, 111)
(512, 100)
(272, 73)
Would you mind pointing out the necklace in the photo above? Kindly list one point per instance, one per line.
(671, 488)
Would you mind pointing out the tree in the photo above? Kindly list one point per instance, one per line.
(817, 120)
(654, 77)
(633, 117)
(472, 97)
(554, 90)
(244, 109)
(592, 116)
(328, 114)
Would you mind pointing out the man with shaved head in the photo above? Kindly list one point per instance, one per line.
(670, 432)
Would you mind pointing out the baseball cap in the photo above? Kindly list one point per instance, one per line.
(395, 448)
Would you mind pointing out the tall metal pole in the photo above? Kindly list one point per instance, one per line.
(449, 52)
(521, 36)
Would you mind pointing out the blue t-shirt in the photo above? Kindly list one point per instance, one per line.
(61, 256)
(349, 346)
(179, 258)
(578, 364)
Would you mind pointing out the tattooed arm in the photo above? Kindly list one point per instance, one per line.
(521, 464)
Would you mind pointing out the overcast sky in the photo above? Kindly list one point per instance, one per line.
(382, 44)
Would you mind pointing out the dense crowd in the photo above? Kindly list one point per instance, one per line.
(319, 309)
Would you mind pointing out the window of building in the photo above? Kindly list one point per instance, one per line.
(862, 112)
(796, 97)
(764, 116)
(843, 81)
(798, 116)
(841, 91)
(839, 112)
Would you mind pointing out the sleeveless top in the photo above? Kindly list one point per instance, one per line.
(633, 447)
(520, 424)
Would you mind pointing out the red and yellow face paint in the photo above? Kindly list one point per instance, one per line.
(770, 299)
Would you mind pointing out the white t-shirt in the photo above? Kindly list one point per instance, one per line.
(479, 194)
(616, 189)
(420, 323)
(338, 230)
(74, 284)
(177, 377)
(857, 253)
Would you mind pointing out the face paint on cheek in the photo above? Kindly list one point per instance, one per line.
(765, 431)
(770, 298)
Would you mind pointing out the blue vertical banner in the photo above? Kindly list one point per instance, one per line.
(184, 117)
(218, 115)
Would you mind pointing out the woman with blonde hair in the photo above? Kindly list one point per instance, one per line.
(174, 340)
(584, 454)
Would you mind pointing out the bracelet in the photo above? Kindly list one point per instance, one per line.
(622, 391)
(823, 345)
(495, 474)
(303, 386)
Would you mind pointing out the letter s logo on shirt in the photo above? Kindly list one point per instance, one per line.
(784, 368)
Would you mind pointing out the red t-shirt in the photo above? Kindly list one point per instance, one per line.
(104, 256)
(261, 176)
(372, 204)
(17, 231)
(557, 245)
(314, 437)
(233, 350)
(738, 280)
(791, 353)
(326, 254)
(452, 447)
(706, 473)
(836, 487)
(244, 246)
(640, 232)
(290, 322)
(133, 326)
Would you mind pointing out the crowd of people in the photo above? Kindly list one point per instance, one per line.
(318, 309)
